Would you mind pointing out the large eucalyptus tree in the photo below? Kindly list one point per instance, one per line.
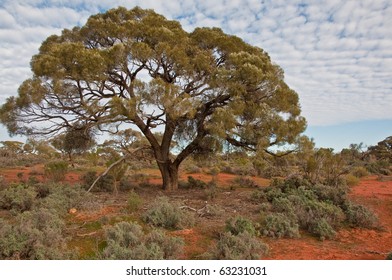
(134, 68)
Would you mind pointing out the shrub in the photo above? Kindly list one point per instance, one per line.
(19, 198)
(126, 184)
(3, 183)
(64, 197)
(239, 225)
(56, 170)
(42, 190)
(104, 184)
(336, 195)
(351, 180)
(196, 183)
(278, 225)
(322, 229)
(36, 235)
(359, 216)
(127, 241)
(243, 246)
(168, 215)
(244, 182)
(211, 192)
(134, 201)
(360, 172)
(389, 256)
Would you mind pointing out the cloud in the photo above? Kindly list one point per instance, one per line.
(336, 54)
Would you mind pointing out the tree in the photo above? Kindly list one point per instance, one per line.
(383, 150)
(75, 140)
(135, 68)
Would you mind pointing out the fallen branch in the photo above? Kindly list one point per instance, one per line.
(114, 164)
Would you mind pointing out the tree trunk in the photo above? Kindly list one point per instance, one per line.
(169, 172)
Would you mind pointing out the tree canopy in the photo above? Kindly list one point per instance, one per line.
(136, 69)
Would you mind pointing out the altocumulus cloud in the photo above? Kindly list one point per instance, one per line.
(336, 54)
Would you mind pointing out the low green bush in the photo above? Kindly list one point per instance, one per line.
(56, 170)
(243, 246)
(211, 191)
(351, 180)
(134, 201)
(196, 183)
(64, 197)
(318, 209)
(360, 172)
(389, 256)
(244, 182)
(322, 229)
(359, 216)
(278, 225)
(127, 241)
(17, 197)
(163, 213)
(36, 235)
(104, 184)
(239, 225)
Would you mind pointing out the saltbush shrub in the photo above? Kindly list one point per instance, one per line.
(211, 191)
(244, 182)
(351, 180)
(279, 225)
(36, 235)
(243, 246)
(359, 216)
(239, 225)
(64, 197)
(127, 241)
(163, 213)
(196, 183)
(318, 209)
(17, 197)
(56, 170)
(322, 229)
(104, 184)
(134, 201)
(359, 172)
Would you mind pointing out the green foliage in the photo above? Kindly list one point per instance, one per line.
(351, 180)
(359, 216)
(319, 209)
(359, 172)
(239, 225)
(323, 229)
(104, 184)
(134, 201)
(211, 191)
(196, 183)
(243, 246)
(163, 213)
(389, 256)
(56, 170)
(36, 235)
(279, 225)
(64, 197)
(17, 197)
(127, 241)
(244, 182)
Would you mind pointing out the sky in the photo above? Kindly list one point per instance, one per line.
(336, 54)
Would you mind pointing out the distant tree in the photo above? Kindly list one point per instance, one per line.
(75, 140)
(134, 68)
(14, 147)
(383, 150)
